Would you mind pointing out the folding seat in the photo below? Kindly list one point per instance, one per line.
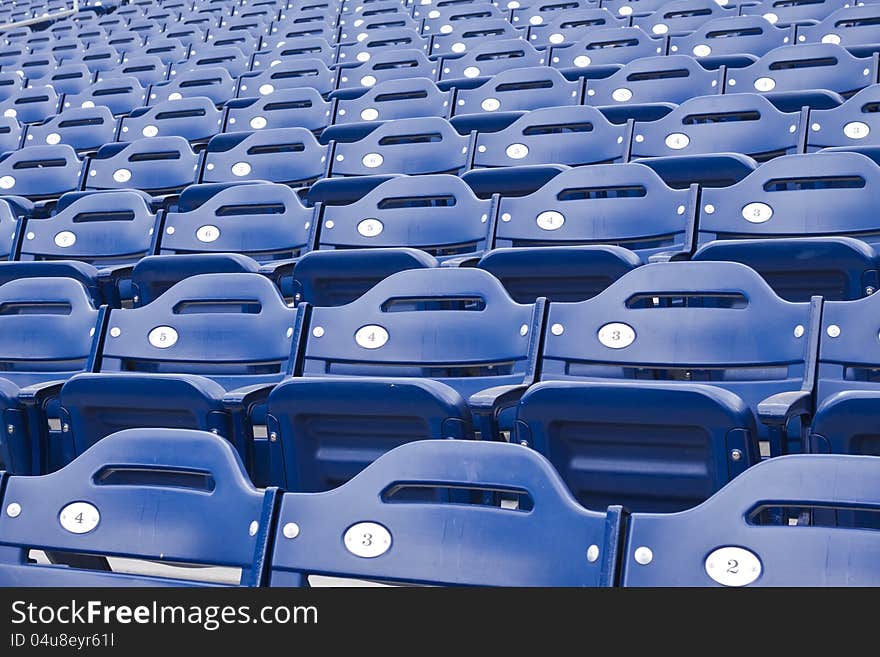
(457, 39)
(83, 129)
(203, 355)
(704, 139)
(492, 58)
(188, 35)
(283, 155)
(395, 99)
(214, 83)
(437, 18)
(264, 221)
(847, 126)
(424, 552)
(411, 342)
(66, 79)
(40, 172)
(110, 231)
(228, 57)
(370, 22)
(157, 165)
(567, 27)
(412, 146)
(195, 119)
(541, 13)
(246, 36)
(302, 48)
(671, 79)
(49, 328)
(792, 73)
(33, 66)
(292, 74)
(10, 134)
(600, 52)
(785, 12)
(555, 135)
(287, 32)
(763, 221)
(92, 35)
(375, 42)
(283, 108)
(633, 7)
(169, 51)
(11, 54)
(146, 69)
(854, 28)
(601, 411)
(97, 59)
(59, 49)
(373, 9)
(125, 42)
(119, 94)
(388, 65)
(519, 89)
(733, 41)
(11, 85)
(682, 17)
(191, 484)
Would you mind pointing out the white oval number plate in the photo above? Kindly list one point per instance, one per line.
(79, 517)
(367, 540)
(370, 227)
(162, 337)
(757, 213)
(65, 239)
(207, 233)
(617, 335)
(371, 336)
(733, 566)
(550, 220)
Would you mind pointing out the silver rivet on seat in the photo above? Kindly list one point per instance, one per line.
(833, 331)
(291, 530)
(13, 510)
(643, 556)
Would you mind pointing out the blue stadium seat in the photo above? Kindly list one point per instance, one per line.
(96, 58)
(388, 65)
(49, 328)
(600, 204)
(849, 126)
(31, 105)
(825, 196)
(168, 51)
(283, 155)
(436, 17)
(683, 17)
(40, 172)
(288, 32)
(152, 276)
(797, 74)
(566, 27)
(125, 41)
(783, 12)
(519, 89)
(158, 165)
(633, 7)
(732, 41)
(170, 364)
(10, 133)
(723, 541)
(146, 69)
(82, 129)
(290, 74)
(10, 85)
(557, 526)
(283, 108)
(190, 483)
(302, 48)
(195, 119)
(395, 99)
(457, 38)
(228, 57)
(375, 42)
(855, 28)
(402, 339)
(68, 78)
(672, 79)
(120, 94)
(490, 58)
(636, 326)
(213, 82)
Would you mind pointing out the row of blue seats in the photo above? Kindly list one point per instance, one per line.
(795, 210)
(311, 395)
(515, 523)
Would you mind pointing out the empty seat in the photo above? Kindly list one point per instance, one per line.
(395, 99)
(558, 528)
(682, 16)
(377, 41)
(68, 78)
(672, 79)
(96, 58)
(191, 483)
(168, 51)
(388, 65)
(293, 74)
(49, 327)
(283, 155)
(633, 7)
(600, 52)
(825, 195)
(555, 135)
(566, 27)
(731, 40)
(519, 89)
(455, 39)
(539, 13)
(855, 28)
(399, 364)
(121, 95)
(600, 204)
(82, 129)
(283, 108)
(170, 364)
(10, 133)
(146, 69)
(158, 165)
(413, 146)
(852, 125)
(783, 12)
(724, 542)
(31, 105)
(40, 172)
(10, 85)
(490, 58)
(195, 119)
(212, 82)
(227, 57)
(302, 48)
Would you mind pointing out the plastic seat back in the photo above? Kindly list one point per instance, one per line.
(156, 165)
(780, 12)
(855, 28)
(194, 119)
(682, 17)
(283, 108)
(491, 58)
(519, 89)
(673, 79)
(283, 155)
(852, 125)
(606, 49)
(40, 172)
(566, 27)
(120, 94)
(455, 39)
(31, 105)
(395, 99)
(212, 82)
(731, 37)
(286, 51)
(377, 41)
(82, 129)
(10, 133)
(388, 65)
